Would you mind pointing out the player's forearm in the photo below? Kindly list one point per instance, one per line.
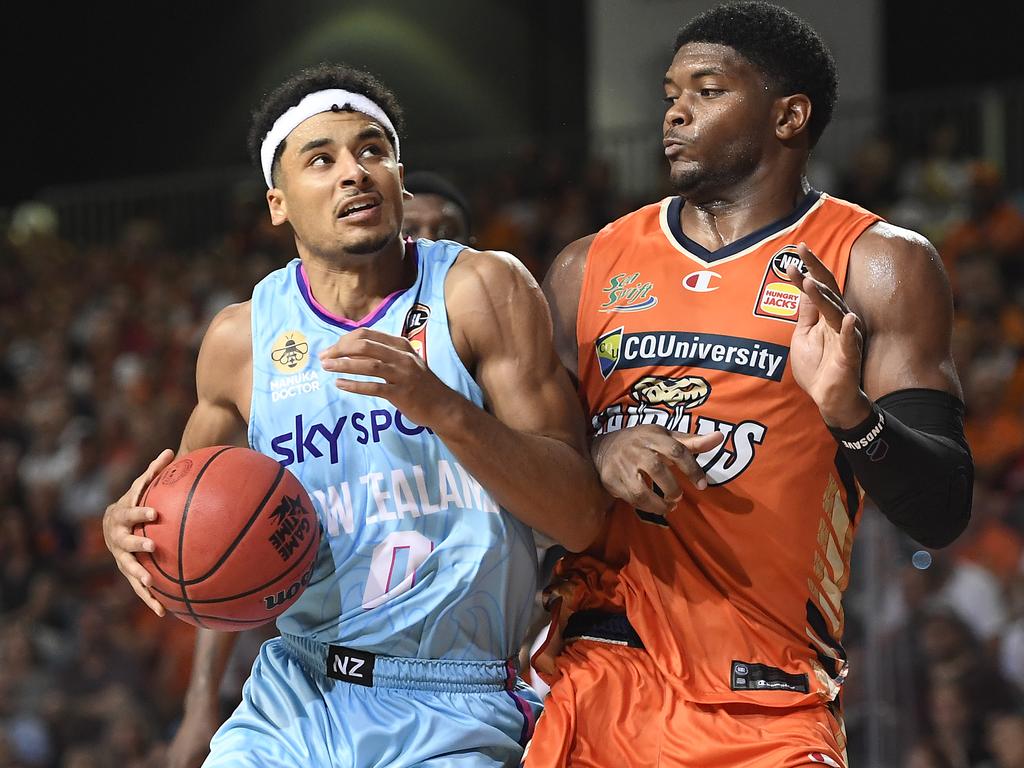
(912, 459)
(210, 659)
(541, 480)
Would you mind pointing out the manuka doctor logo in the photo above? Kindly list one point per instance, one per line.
(620, 351)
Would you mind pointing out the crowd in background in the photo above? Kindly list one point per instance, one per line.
(97, 355)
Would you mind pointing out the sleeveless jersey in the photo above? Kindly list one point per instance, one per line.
(736, 593)
(416, 558)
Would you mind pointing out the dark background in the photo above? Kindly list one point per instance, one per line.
(104, 91)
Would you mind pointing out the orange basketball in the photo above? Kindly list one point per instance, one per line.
(236, 536)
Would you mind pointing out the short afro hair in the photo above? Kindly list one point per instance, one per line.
(779, 43)
(319, 78)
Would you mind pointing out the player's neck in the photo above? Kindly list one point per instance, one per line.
(353, 289)
(717, 220)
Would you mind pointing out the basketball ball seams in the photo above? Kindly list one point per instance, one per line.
(199, 510)
(181, 533)
(241, 534)
(220, 619)
(260, 588)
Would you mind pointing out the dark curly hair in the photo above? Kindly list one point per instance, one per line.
(780, 44)
(298, 86)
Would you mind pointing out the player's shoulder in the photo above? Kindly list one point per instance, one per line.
(230, 331)
(895, 248)
(487, 271)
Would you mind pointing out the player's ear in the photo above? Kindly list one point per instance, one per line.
(793, 114)
(406, 194)
(278, 206)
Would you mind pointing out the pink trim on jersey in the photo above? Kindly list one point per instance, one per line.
(368, 319)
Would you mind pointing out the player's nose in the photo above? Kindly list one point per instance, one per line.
(350, 171)
(678, 113)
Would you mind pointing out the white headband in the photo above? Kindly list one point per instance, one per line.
(313, 104)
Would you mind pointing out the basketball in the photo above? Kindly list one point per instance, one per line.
(235, 538)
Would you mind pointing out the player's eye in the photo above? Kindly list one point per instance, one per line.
(320, 160)
(372, 150)
(711, 92)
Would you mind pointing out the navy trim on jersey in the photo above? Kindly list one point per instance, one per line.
(698, 250)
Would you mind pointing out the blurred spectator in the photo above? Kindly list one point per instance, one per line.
(967, 590)
(993, 226)
(871, 179)
(957, 729)
(1006, 740)
(927, 754)
(437, 210)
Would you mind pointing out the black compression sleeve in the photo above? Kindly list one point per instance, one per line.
(912, 459)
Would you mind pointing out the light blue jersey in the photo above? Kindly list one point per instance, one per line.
(398, 653)
(416, 559)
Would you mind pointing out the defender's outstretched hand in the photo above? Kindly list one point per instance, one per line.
(827, 346)
(119, 521)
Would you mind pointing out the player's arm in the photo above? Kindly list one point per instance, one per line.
(528, 447)
(883, 378)
(223, 383)
(630, 459)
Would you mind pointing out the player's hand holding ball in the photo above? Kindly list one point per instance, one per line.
(119, 522)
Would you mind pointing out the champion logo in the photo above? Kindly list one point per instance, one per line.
(700, 281)
(818, 757)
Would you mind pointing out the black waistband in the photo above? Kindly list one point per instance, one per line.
(603, 626)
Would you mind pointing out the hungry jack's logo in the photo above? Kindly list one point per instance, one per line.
(778, 298)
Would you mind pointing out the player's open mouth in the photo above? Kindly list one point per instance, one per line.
(358, 205)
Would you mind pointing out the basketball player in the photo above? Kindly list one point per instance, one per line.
(436, 211)
(808, 343)
(397, 653)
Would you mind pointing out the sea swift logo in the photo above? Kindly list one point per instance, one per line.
(618, 351)
(290, 352)
(626, 293)
(778, 298)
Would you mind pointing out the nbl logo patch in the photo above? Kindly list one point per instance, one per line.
(415, 328)
(778, 297)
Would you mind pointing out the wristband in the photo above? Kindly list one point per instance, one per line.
(865, 436)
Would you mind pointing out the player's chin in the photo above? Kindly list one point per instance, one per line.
(370, 240)
(685, 176)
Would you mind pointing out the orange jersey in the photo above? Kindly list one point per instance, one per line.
(736, 593)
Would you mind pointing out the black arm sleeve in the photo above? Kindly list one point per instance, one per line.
(911, 457)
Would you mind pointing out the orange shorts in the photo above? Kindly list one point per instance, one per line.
(611, 706)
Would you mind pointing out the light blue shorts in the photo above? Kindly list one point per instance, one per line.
(417, 713)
